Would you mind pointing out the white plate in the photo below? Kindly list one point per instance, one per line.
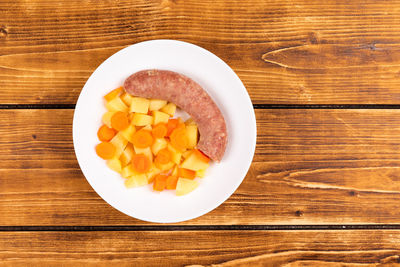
(223, 85)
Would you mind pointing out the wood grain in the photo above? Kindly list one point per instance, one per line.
(285, 52)
(310, 167)
(226, 248)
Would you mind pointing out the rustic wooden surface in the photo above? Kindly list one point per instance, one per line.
(196, 248)
(323, 170)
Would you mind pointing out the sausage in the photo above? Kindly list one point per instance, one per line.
(189, 96)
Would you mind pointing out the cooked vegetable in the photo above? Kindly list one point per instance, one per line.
(159, 130)
(105, 134)
(142, 139)
(179, 139)
(142, 119)
(156, 104)
(169, 108)
(171, 182)
(160, 182)
(141, 163)
(105, 150)
(185, 186)
(140, 105)
(114, 164)
(113, 94)
(116, 105)
(186, 173)
(159, 117)
(120, 121)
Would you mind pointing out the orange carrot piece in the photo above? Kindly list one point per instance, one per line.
(142, 138)
(179, 139)
(160, 182)
(186, 173)
(114, 93)
(141, 163)
(120, 121)
(171, 125)
(160, 130)
(201, 156)
(163, 156)
(171, 182)
(105, 134)
(105, 150)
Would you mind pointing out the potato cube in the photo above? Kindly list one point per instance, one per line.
(127, 171)
(169, 108)
(185, 186)
(145, 151)
(156, 104)
(106, 119)
(159, 143)
(136, 180)
(116, 104)
(159, 116)
(152, 173)
(194, 163)
(186, 153)
(201, 173)
(120, 143)
(140, 105)
(142, 119)
(114, 164)
(128, 132)
(127, 154)
(176, 155)
(126, 98)
(175, 171)
(166, 166)
(192, 134)
(147, 127)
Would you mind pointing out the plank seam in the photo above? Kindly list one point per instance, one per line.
(195, 228)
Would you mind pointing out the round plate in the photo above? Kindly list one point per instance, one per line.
(221, 83)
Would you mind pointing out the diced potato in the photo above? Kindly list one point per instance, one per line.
(152, 173)
(126, 98)
(156, 104)
(175, 171)
(140, 105)
(190, 121)
(185, 186)
(147, 127)
(165, 167)
(106, 119)
(142, 119)
(169, 108)
(127, 171)
(145, 151)
(136, 180)
(159, 143)
(201, 173)
(117, 105)
(192, 134)
(127, 154)
(159, 116)
(194, 163)
(128, 132)
(176, 155)
(120, 143)
(186, 153)
(114, 164)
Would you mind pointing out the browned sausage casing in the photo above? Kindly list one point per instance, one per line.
(189, 96)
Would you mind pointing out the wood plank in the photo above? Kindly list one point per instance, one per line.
(191, 248)
(310, 167)
(286, 52)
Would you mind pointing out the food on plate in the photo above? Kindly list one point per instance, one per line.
(189, 96)
(142, 140)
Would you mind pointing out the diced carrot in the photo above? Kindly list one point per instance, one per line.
(160, 130)
(179, 139)
(186, 173)
(114, 93)
(142, 139)
(201, 155)
(160, 182)
(141, 163)
(105, 150)
(163, 156)
(171, 182)
(171, 125)
(120, 121)
(105, 134)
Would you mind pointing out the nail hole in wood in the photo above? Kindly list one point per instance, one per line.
(299, 213)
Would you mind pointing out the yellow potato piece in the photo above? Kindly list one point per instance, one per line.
(159, 116)
(169, 108)
(114, 164)
(145, 151)
(159, 143)
(126, 98)
(120, 143)
(127, 171)
(176, 155)
(116, 104)
(194, 163)
(106, 119)
(128, 132)
(201, 173)
(127, 154)
(156, 104)
(136, 181)
(140, 105)
(192, 135)
(153, 172)
(185, 186)
(142, 119)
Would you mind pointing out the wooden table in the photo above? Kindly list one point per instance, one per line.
(324, 187)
